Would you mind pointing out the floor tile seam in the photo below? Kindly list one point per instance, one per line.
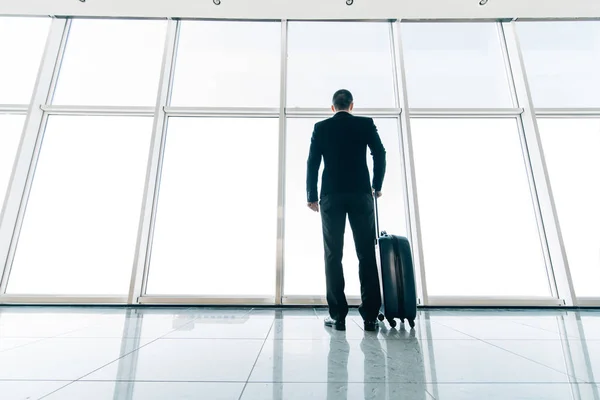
(256, 361)
(381, 339)
(517, 323)
(104, 366)
(56, 390)
(33, 380)
(156, 381)
(546, 330)
(529, 359)
(261, 382)
(481, 339)
(513, 353)
(114, 361)
(25, 344)
(423, 382)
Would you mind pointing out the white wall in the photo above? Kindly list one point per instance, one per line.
(308, 9)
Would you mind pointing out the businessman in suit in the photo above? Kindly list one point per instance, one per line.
(346, 189)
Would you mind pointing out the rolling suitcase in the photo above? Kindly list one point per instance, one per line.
(396, 277)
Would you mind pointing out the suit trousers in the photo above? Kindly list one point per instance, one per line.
(359, 209)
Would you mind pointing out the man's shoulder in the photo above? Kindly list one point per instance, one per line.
(333, 120)
(365, 120)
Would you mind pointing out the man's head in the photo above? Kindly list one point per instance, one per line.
(342, 101)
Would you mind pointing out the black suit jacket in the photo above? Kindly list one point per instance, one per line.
(342, 141)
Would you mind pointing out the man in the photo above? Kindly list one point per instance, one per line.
(346, 189)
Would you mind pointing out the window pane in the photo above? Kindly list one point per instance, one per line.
(562, 60)
(22, 42)
(112, 62)
(11, 127)
(216, 227)
(455, 65)
(80, 228)
(571, 147)
(326, 56)
(304, 254)
(479, 229)
(228, 64)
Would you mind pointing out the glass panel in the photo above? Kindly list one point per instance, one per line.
(112, 62)
(22, 42)
(562, 60)
(455, 65)
(479, 229)
(326, 56)
(80, 228)
(571, 147)
(228, 64)
(216, 227)
(304, 265)
(11, 127)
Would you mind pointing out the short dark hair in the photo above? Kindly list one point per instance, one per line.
(342, 100)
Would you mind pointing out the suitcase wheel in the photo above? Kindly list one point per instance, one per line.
(392, 322)
(411, 322)
(380, 317)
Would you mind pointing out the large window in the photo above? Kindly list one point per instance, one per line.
(571, 147)
(216, 226)
(80, 227)
(212, 222)
(326, 56)
(22, 42)
(455, 65)
(10, 133)
(228, 64)
(304, 257)
(478, 223)
(111, 62)
(562, 61)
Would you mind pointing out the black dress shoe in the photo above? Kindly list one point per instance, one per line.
(371, 326)
(337, 325)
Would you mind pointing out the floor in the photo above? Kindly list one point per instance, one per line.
(267, 354)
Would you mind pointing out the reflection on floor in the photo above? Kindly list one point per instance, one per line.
(250, 354)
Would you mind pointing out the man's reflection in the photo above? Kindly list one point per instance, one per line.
(393, 357)
(337, 366)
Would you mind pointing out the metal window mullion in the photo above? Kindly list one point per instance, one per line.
(61, 299)
(302, 112)
(13, 108)
(568, 112)
(527, 162)
(19, 186)
(281, 177)
(98, 110)
(407, 155)
(259, 112)
(465, 112)
(558, 269)
(141, 263)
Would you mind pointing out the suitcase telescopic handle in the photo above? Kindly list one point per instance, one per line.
(377, 233)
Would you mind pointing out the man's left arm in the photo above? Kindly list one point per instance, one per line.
(312, 171)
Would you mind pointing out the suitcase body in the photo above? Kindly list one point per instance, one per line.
(397, 280)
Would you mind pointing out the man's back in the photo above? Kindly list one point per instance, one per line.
(342, 142)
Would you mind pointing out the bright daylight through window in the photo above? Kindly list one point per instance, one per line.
(153, 149)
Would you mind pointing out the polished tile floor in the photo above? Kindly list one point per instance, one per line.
(84, 353)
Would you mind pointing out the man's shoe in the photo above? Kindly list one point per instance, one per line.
(335, 324)
(371, 326)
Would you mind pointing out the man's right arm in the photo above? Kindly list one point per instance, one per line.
(312, 168)
(378, 154)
